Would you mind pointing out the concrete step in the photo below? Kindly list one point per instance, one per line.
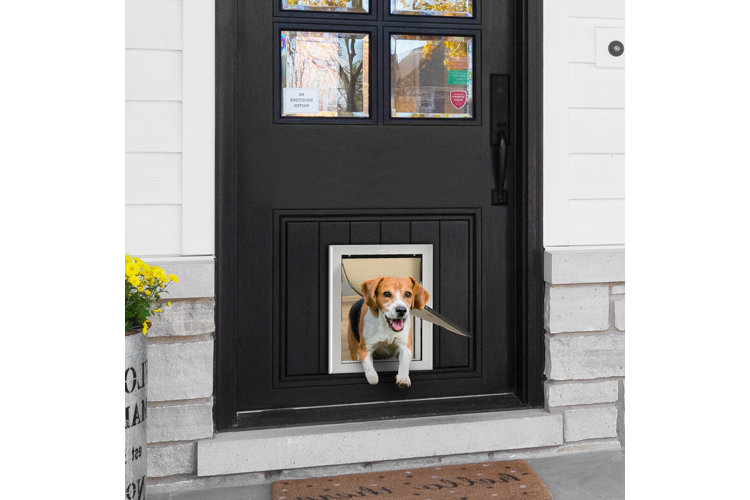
(328, 445)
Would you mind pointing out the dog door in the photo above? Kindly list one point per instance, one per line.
(350, 265)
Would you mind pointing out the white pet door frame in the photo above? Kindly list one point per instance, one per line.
(341, 296)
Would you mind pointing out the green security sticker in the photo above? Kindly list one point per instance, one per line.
(458, 77)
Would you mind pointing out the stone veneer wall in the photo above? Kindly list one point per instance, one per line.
(584, 344)
(180, 370)
(180, 385)
(584, 320)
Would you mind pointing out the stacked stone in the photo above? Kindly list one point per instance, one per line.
(585, 342)
(180, 376)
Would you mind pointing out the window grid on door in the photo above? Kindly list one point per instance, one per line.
(360, 77)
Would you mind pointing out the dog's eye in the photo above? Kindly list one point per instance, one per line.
(386, 294)
(407, 294)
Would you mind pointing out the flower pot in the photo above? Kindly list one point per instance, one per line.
(135, 414)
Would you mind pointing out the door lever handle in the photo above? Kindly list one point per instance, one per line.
(500, 135)
(500, 194)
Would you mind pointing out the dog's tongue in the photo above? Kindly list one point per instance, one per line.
(397, 324)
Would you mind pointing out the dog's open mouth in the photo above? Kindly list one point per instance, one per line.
(396, 324)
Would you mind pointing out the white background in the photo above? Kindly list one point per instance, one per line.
(62, 125)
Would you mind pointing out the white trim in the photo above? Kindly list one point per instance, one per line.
(375, 441)
(556, 217)
(422, 345)
(198, 127)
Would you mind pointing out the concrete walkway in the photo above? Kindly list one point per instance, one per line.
(581, 476)
(584, 476)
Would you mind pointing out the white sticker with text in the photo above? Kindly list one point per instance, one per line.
(301, 101)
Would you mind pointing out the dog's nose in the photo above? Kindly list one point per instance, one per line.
(401, 310)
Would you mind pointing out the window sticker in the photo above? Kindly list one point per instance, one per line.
(325, 74)
(358, 6)
(431, 76)
(458, 77)
(458, 99)
(301, 101)
(444, 8)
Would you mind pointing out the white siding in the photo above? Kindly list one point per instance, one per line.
(597, 220)
(584, 131)
(153, 75)
(596, 176)
(600, 131)
(153, 178)
(169, 136)
(153, 24)
(604, 9)
(153, 127)
(595, 87)
(153, 229)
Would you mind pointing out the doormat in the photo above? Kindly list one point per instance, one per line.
(510, 480)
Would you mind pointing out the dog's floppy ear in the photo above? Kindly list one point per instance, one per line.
(369, 288)
(421, 296)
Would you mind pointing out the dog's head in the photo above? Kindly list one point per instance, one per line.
(395, 297)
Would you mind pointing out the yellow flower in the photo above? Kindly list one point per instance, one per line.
(147, 292)
(145, 327)
(140, 288)
(134, 281)
(157, 310)
(173, 278)
(131, 269)
(169, 303)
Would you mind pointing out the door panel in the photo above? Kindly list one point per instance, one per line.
(301, 241)
(304, 185)
(454, 301)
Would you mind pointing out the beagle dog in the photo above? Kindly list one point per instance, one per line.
(383, 329)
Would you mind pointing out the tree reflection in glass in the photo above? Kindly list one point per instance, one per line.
(445, 8)
(327, 5)
(431, 76)
(331, 69)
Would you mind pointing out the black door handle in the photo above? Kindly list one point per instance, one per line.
(500, 135)
(500, 194)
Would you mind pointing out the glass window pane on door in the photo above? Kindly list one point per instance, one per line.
(327, 5)
(432, 76)
(444, 8)
(325, 74)
(360, 6)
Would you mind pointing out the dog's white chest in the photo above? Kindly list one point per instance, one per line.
(379, 337)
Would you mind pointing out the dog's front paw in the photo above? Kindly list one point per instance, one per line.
(372, 377)
(403, 381)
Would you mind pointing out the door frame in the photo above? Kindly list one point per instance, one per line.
(526, 214)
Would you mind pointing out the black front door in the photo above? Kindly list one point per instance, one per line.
(366, 122)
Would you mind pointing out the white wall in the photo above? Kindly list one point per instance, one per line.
(584, 123)
(170, 126)
(169, 160)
